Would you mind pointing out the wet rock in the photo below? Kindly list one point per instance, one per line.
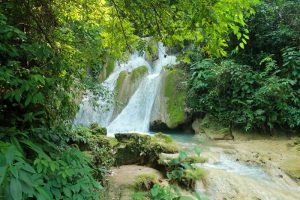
(119, 184)
(127, 84)
(134, 148)
(211, 129)
(169, 107)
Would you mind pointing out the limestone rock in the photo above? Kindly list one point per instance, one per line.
(135, 148)
(126, 85)
(211, 129)
(108, 68)
(169, 107)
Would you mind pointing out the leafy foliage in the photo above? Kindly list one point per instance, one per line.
(205, 22)
(235, 94)
(28, 171)
(159, 192)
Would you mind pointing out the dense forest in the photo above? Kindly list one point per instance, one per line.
(241, 57)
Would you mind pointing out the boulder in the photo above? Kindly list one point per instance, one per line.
(126, 85)
(135, 148)
(169, 106)
(211, 128)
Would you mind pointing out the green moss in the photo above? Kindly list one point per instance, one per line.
(144, 182)
(96, 129)
(175, 92)
(190, 177)
(152, 50)
(194, 174)
(164, 143)
(120, 82)
(110, 66)
(133, 148)
(165, 159)
(196, 159)
(138, 73)
(103, 140)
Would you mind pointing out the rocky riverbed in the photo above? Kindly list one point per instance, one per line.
(260, 168)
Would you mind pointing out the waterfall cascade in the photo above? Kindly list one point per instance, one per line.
(135, 117)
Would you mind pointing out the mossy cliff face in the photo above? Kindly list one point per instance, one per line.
(126, 85)
(108, 68)
(169, 106)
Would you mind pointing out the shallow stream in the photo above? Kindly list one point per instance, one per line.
(229, 178)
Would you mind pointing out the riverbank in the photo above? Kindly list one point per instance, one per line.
(251, 168)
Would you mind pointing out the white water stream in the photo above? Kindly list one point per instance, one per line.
(102, 115)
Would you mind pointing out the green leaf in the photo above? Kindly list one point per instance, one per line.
(25, 176)
(242, 45)
(67, 191)
(10, 154)
(182, 155)
(155, 190)
(3, 171)
(138, 195)
(15, 189)
(43, 194)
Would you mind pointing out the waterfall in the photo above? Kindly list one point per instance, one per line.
(102, 115)
(135, 117)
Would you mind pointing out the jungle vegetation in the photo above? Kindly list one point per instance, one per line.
(244, 67)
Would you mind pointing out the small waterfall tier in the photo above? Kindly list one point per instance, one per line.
(135, 117)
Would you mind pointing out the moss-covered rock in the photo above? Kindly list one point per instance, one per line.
(151, 50)
(126, 85)
(175, 93)
(96, 129)
(169, 107)
(212, 129)
(191, 176)
(137, 74)
(181, 168)
(144, 182)
(134, 148)
(108, 68)
(164, 143)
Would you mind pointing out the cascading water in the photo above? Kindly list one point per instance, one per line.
(135, 117)
(102, 115)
